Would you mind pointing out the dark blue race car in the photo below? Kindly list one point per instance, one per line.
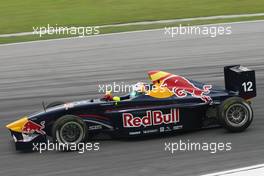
(169, 104)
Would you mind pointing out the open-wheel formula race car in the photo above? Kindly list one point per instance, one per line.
(170, 103)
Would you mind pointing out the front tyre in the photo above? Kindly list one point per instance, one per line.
(235, 114)
(69, 130)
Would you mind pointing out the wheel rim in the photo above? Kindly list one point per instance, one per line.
(237, 115)
(71, 132)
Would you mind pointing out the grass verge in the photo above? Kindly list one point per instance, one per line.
(20, 16)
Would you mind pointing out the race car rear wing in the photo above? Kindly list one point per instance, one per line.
(240, 79)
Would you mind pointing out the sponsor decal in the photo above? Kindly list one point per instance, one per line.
(167, 85)
(177, 127)
(32, 127)
(167, 129)
(68, 105)
(135, 133)
(95, 127)
(181, 86)
(162, 129)
(150, 131)
(156, 117)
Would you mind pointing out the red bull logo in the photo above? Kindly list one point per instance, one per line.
(181, 87)
(31, 127)
(152, 118)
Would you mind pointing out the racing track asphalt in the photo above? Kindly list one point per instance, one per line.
(71, 69)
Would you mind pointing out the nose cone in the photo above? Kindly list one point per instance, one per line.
(17, 126)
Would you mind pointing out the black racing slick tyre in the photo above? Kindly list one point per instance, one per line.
(235, 114)
(53, 104)
(69, 130)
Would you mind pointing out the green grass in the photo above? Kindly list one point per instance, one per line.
(5, 40)
(22, 15)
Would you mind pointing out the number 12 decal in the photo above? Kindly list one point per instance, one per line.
(247, 86)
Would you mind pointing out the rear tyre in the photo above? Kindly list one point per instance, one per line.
(53, 104)
(69, 130)
(235, 114)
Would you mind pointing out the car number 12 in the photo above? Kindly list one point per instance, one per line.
(247, 86)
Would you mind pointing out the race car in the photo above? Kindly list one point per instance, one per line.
(168, 104)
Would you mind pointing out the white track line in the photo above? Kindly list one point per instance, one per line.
(255, 170)
(117, 33)
(155, 22)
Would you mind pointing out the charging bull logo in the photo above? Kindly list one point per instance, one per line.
(31, 127)
(181, 86)
(152, 118)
